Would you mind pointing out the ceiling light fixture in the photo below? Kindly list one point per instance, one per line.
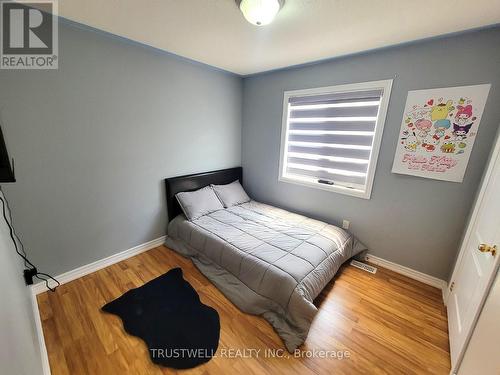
(260, 12)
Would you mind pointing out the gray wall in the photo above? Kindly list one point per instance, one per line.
(93, 140)
(412, 221)
(20, 353)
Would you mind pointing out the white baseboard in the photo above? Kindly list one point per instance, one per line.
(99, 264)
(446, 294)
(411, 273)
(39, 333)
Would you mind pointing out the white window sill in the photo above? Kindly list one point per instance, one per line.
(332, 188)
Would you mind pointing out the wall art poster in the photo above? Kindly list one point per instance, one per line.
(438, 131)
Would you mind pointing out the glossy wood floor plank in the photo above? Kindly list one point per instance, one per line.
(388, 323)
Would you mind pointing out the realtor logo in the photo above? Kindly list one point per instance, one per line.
(29, 35)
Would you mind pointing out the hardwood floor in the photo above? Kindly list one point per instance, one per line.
(388, 324)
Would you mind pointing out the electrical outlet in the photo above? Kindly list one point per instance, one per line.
(29, 274)
(345, 224)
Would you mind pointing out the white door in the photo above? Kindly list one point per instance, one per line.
(477, 263)
(481, 355)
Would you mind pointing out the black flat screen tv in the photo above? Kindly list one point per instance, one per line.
(6, 170)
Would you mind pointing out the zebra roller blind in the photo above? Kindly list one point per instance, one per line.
(329, 135)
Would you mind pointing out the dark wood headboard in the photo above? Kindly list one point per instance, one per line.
(197, 181)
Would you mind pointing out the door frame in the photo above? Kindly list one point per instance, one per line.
(494, 162)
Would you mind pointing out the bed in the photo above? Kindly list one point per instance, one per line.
(267, 261)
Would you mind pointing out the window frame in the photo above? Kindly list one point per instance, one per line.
(386, 86)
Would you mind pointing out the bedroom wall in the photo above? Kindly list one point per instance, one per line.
(411, 221)
(20, 353)
(94, 140)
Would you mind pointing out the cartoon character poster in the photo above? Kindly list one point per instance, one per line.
(438, 131)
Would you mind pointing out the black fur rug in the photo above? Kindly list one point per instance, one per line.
(168, 315)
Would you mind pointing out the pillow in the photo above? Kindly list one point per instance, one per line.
(197, 203)
(231, 194)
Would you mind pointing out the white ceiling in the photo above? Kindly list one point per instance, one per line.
(214, 31)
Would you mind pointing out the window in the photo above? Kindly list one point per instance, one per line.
(331, 136)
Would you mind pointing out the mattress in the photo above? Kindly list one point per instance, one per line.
(267, 261)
